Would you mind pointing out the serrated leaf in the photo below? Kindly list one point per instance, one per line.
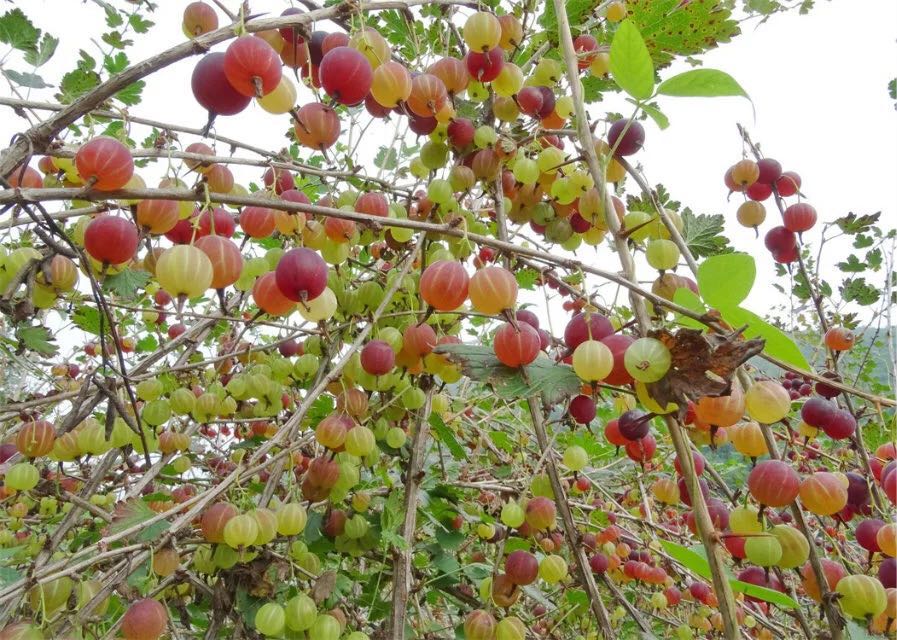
(113, 17)
(320, 409)
(859, 291)
(594, 87)
(673, 27)
(630, 62)
(114, 39)
(853, 224)
(542, 376)
(30, 80)
(44, 51)
(139, 24)
(125, 284)
(116, 63)
(577, 11)
(76, 83)
(130, 95)
(704, 234)
(86, 62)
(37, 339)
(526, 278)
(87, 319)
(726, 280)
(851, 265)
(17, 31)
(702, 83)
(387, 159)
(446, 437)
(147, 344)
(133, 513)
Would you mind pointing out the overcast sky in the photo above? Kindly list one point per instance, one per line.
(818, 82)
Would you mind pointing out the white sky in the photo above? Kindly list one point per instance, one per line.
(818, 83)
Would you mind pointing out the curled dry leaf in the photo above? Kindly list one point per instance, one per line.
(701, 364)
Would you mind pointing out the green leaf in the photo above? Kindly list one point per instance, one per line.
(30, 80)
(726, 280)
(446, 437)
(87, 319)
(703, 234)
(543, 375)
(689, 559)
(320, 409)
(86, 62)
(114, 39)
(856, 631)
(698, 564)
(37, 339)
(502, 440)
(630, 62)
(851, 265)
(675, 28)
(116, 63)
(76, 83)
(685, 297)
(701, 83)
(853, 224)
(147, 344)
(135, 512)
(658, 116)
(44, 51)
(139, 24)
(526, 278)
(17, 31)
(762, 593)
(113, 17)
(778, 344)
(8, 575)
(577, 12)
(125, 284)
(130, 95)
(387, 159)
(593, 88)
(859, 291)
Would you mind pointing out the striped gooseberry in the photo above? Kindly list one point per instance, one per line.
(647, 360)
(184, 270)
(773, 483)
(516, 347)
(444, 285)
(592, 360)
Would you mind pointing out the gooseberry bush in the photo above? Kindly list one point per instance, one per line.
(313, 386)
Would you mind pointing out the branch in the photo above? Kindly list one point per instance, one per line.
(447, 229)
(40, 135)
(401, 566)
(573, 542)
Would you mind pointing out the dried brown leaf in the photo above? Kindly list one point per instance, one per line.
(324, 586)
(700, 364)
